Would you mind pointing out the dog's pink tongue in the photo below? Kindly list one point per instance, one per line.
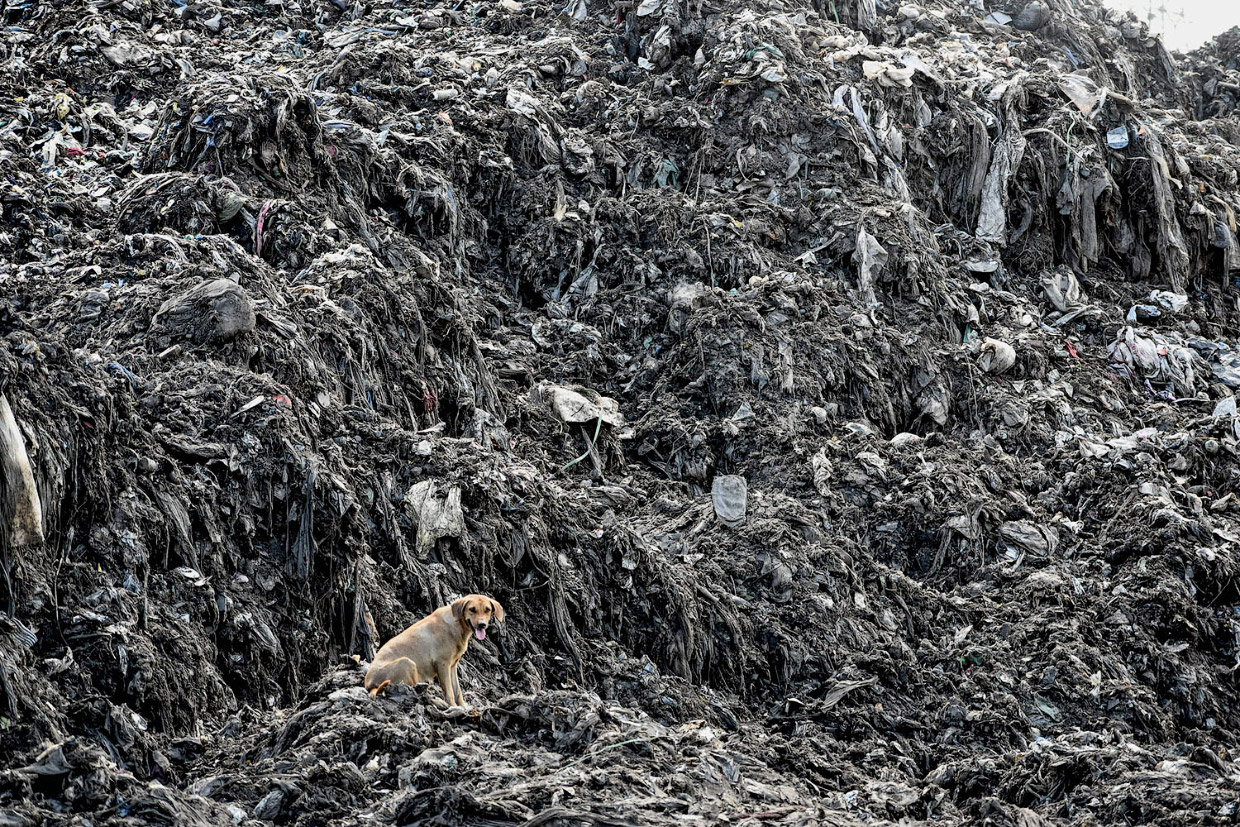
(481, 634)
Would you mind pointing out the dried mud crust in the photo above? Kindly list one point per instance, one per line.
(839, 399)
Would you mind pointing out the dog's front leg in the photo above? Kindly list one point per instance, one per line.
(456, 683)
(447, 681)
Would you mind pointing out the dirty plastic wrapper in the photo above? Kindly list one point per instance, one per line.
(316, 315)
(730, 495)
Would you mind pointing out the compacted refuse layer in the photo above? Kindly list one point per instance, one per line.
(839, 398)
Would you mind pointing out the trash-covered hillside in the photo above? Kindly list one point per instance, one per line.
(839, 398)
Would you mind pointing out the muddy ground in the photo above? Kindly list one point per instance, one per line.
(840, 399)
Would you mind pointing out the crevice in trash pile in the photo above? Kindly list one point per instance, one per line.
(839, 398)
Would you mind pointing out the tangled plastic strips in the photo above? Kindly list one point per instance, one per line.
(839, 398)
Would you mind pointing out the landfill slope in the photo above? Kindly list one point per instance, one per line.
(840, 400)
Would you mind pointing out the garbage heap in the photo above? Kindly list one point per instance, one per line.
(839, 397)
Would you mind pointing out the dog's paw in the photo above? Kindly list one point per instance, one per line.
(449, 713)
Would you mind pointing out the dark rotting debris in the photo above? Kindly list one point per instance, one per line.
(839, 397)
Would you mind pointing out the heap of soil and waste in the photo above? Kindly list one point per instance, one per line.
(840, 398)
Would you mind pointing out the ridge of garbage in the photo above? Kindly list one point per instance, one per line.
(839, 397)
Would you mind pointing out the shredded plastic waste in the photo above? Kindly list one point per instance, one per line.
(839, 397)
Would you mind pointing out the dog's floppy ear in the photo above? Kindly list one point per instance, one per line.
(498, 609)
(458, 609)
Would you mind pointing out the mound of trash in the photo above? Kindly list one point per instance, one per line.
(840, 399)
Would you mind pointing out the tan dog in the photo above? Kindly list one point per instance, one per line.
(432, 647)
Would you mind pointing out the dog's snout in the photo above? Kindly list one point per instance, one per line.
(482, 624)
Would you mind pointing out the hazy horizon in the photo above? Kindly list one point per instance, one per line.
(1183, 24)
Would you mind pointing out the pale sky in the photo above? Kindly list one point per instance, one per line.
(1187, 23)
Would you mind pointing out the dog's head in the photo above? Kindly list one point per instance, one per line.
(476, 612)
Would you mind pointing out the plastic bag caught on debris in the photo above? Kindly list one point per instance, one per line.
(1083, 92)
(871, 258)
(1117, 138)
(435, 516)
(992, 220)
(730, 495)
(1030, 538)
(1063, 290)
(1160, 302)
(1168, 301)
(214, 311)
(21, 509)
(887, 74)
(997, 357)
(574, 407)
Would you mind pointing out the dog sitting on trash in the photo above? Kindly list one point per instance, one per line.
(432, 647)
